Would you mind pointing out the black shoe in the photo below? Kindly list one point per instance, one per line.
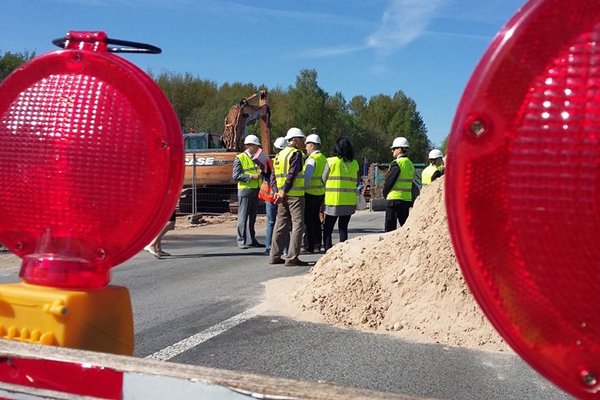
(277, 261)
(258, 245)
(296, 263)
(242, 247)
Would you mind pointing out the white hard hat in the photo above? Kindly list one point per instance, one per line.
(252, 139)
(294, 133)
(435, 153)
(280, 143)
(312, 138)
(400, 142)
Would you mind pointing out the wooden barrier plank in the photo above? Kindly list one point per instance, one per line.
(264, 386)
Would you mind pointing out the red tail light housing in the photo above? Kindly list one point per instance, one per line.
(523, 188)
(91, 163)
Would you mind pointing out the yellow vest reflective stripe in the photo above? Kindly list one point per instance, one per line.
(249, 168)
(428, 174)
(402, 189)
(282, 168)
(315, 185)
(340, 188)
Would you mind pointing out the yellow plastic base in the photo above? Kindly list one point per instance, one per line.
(96, 320)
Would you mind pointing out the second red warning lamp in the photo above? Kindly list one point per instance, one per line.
(91, 165)
(523, 189)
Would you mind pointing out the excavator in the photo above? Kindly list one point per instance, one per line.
(208, 185)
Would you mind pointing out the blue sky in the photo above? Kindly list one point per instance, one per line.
(426, 48)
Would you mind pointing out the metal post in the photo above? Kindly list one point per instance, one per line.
(194, 187)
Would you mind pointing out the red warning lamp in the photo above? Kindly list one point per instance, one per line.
(90, 159)
(91, 167)
(523, 189)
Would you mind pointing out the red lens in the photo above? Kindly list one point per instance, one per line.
(523, 193)
(91, 165)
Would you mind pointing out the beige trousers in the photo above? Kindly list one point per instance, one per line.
(290, 221)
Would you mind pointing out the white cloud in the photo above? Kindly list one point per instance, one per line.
(403, 22)
(330, 51)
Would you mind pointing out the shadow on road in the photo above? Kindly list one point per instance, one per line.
(365, 230)
(211, 255)
(214, 255)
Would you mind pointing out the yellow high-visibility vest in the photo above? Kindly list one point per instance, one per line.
(282, 168)
(402, 189)
(315, 185)
(428, 174)
(249, 169)
(340, 187)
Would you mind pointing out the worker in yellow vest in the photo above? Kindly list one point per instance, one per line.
(341, 177)
(314, 191)
(247, 176)
(435, 169)
(397, 189)
(267, 193)
(289, 177)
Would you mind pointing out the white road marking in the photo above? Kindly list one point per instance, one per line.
(186, 344)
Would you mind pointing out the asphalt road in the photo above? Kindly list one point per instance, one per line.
(203, 307)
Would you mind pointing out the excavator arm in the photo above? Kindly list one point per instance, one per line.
(244, 113)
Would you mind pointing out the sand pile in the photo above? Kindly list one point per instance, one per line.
(405, 282)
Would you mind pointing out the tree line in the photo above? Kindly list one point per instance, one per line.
(11, 61)
(370, 124)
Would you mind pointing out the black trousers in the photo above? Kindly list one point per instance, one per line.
(328, 229)
(312, 207)
(396, 210)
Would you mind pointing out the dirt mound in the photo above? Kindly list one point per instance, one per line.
(405, 282)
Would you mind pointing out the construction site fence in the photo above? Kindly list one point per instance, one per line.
(210, 200)
(200, 197)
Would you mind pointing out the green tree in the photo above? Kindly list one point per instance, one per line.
(407, 122)
(282, 116)
(377, 115)
(337, 123)
(344, 122)
(363, 140)
(444, 146)
(307, 101)
(388, 117)
(187, 94)
(11, 61)
(357, 106)
(370, 125)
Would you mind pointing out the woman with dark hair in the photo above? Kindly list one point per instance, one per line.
(341, 177)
